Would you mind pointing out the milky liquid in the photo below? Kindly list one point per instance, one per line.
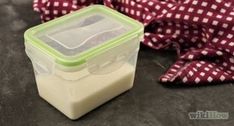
(76, 98)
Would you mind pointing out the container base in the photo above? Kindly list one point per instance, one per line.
(76, 98)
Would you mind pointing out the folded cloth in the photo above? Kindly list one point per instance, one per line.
(200, 30)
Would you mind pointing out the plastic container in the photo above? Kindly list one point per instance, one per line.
(85, 58)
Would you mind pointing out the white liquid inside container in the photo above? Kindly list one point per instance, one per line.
(75, 98)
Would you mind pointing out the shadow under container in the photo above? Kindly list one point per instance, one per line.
(85, 58)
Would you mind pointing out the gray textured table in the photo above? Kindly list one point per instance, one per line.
(147, 104)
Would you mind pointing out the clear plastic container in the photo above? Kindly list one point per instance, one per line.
(85, 58)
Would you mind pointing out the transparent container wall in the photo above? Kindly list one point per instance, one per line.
(42, 63)
(77, 36)
(105, 63)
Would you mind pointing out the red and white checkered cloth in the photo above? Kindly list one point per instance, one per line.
(202, 31)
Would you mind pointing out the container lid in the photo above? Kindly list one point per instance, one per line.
(73, 38)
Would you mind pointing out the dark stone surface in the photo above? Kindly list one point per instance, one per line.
(147, 104)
